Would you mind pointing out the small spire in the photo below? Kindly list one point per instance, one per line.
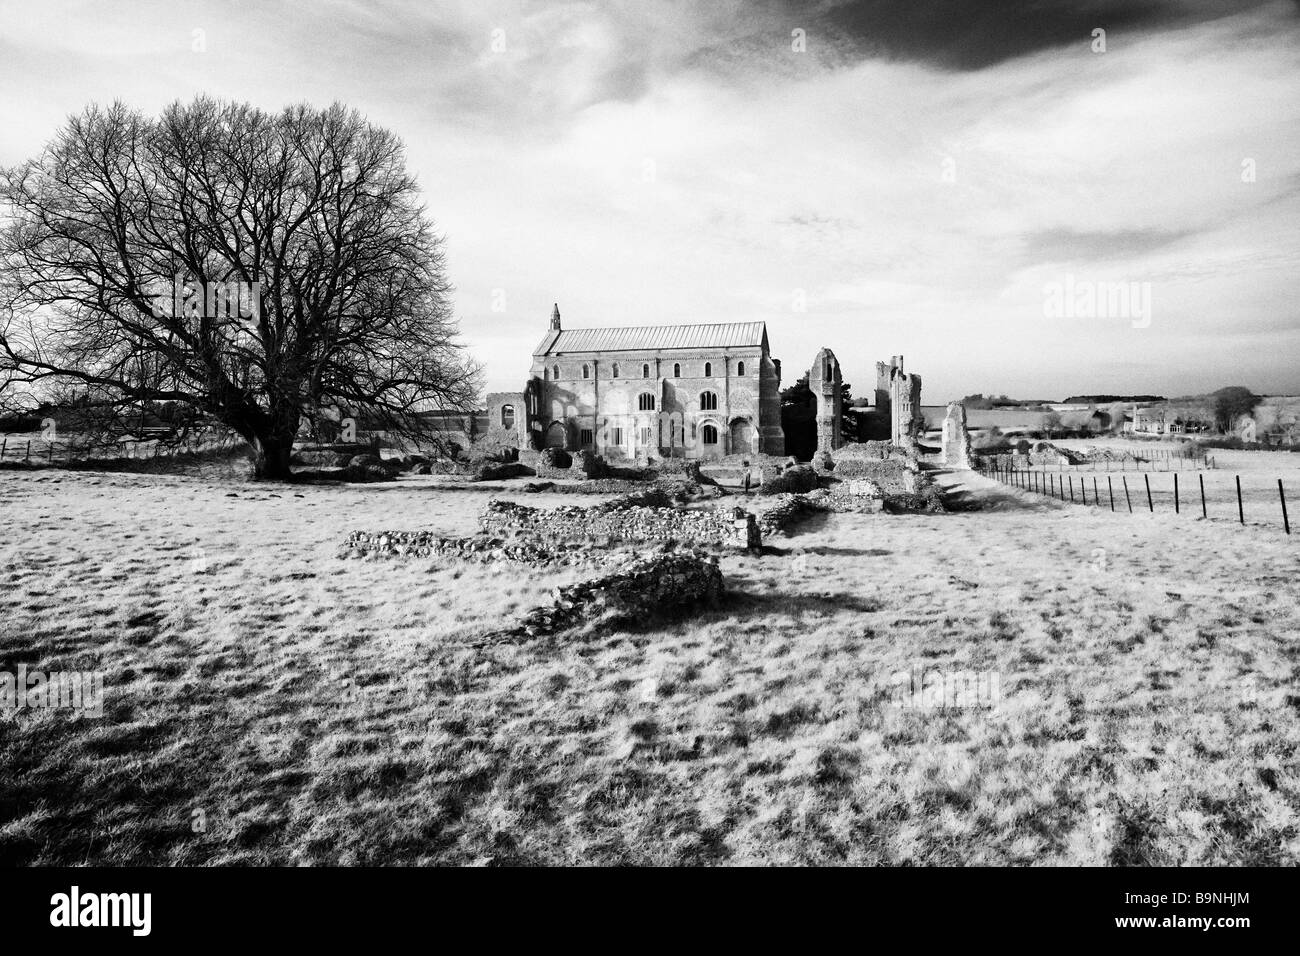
(555, 317)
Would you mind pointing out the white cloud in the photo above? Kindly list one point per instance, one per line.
(640, 166)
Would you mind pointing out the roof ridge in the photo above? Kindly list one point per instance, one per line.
(669, 325)
(670, 336)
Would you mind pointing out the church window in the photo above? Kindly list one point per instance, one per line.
(507, 416)
(708, 369)
(645, 402)
(740, 368)
(708, 401)
(710, 435)
(645, 371)
(677, 370)
(614, 371)
(586, 371)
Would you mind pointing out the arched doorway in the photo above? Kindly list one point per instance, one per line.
(557, 436)
(742, 437)
(710, 440)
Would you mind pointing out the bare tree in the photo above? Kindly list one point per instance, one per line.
(1052, 423)
(247, 265)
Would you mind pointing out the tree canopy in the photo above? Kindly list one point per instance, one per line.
(251, 266)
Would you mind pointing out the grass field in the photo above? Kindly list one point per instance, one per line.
(267, 702)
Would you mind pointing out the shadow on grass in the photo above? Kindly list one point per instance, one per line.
(825, 551)
(739, 605)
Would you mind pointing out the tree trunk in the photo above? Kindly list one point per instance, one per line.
(271, 457)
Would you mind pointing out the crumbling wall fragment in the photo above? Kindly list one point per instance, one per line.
(955, 443)
(644, 587)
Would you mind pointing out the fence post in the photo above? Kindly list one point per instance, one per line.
(1126, 497)
(4, 443)
(1286, 522)
(1241, 514)
(1071, 489)
(1096, 496)
(1177, 509)
(1147, 479)
(1083, 489)
(27, 455)
(1110, 489)
(1201, 477)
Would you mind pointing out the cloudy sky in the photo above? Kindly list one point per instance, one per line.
(923, 177)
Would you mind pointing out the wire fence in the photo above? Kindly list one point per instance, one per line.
(1155, 459)
(1172, 496)
(28, 450)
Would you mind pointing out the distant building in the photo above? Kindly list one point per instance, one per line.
(1154, 420)
(687, 391)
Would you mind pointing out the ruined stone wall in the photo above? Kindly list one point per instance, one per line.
(898, 394)
(550, 463)
(507, 414)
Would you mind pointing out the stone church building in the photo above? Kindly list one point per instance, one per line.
(684, 391)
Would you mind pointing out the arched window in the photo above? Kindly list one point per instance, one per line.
(708, 401)
(645, 402)
(555, 373)
(645, 371)
(507, 416)
(614, 371)
(586, 370)
(677, 371)
(710, 435)
(708, 369)
(740, 368)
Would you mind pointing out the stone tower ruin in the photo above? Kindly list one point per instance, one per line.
(826, 384)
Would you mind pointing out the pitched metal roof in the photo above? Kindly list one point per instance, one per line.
(655, 337)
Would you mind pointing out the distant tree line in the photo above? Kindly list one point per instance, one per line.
(1109, 399)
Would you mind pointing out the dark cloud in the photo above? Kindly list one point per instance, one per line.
(973, 34)
(1065, 245)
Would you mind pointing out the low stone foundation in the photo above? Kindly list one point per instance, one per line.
(625, 519)
(480, 548)
(790, 509)
(499, 471)
(778, 480)
(894, 476)
(787, 510)
(642, 588)
(868, 451)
